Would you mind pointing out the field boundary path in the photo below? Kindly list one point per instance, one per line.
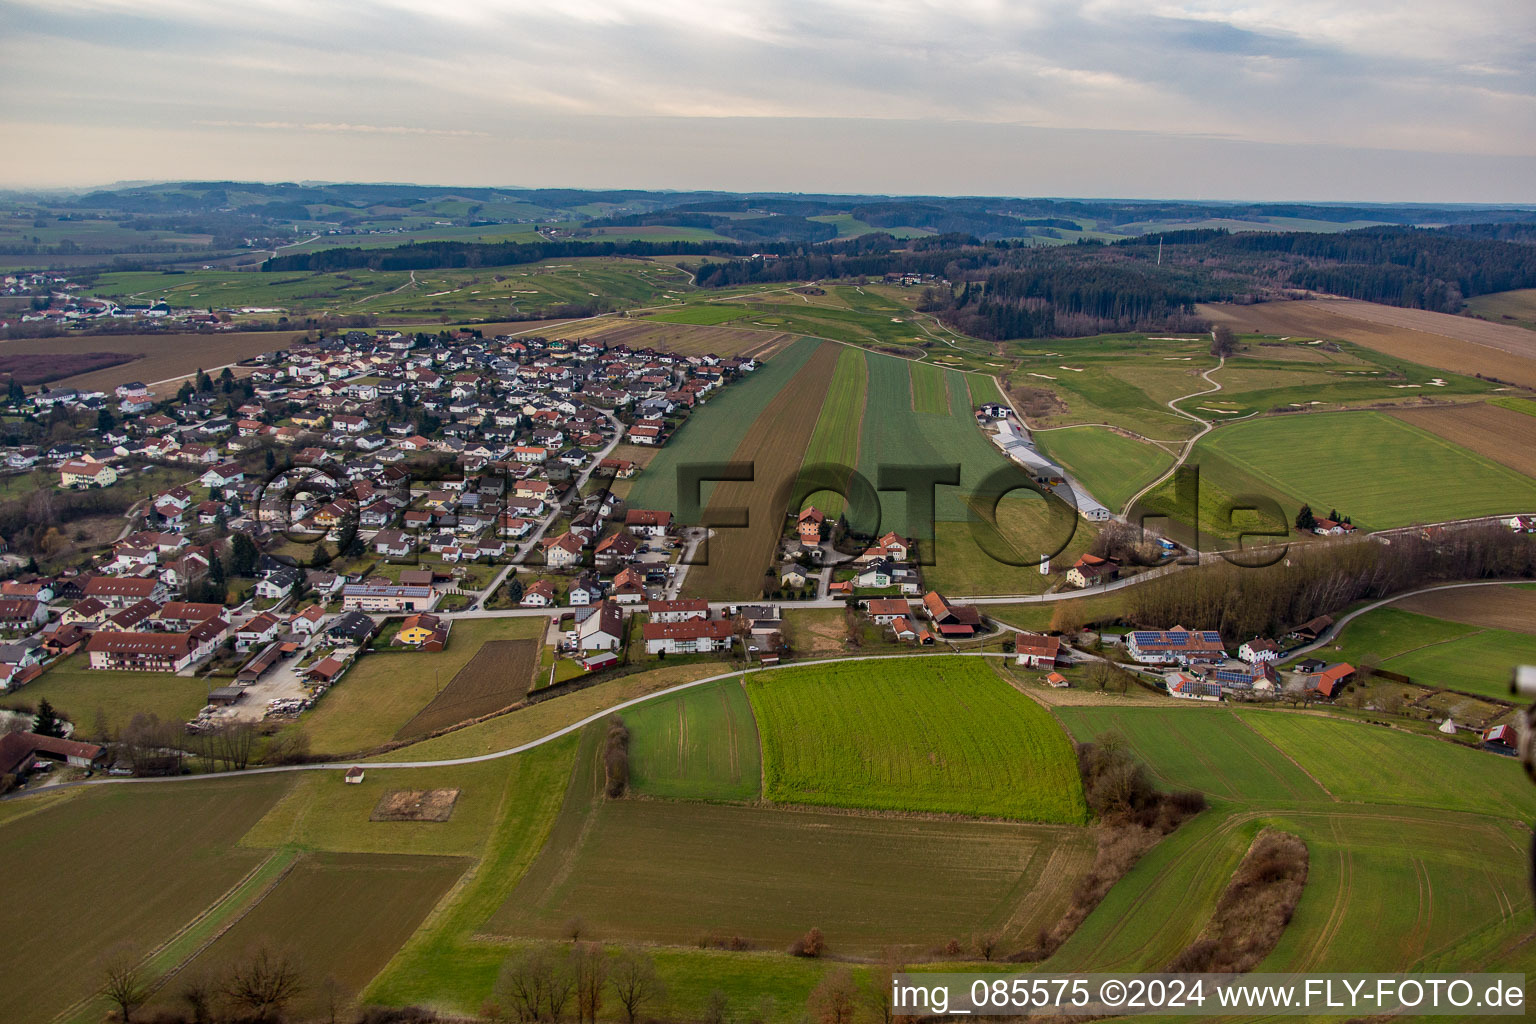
(1206, 426)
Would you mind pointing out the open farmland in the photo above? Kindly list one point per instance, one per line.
(929, 393)
(700, 744)
(775, 442)
(1373, 467)
(686, 339)
(741, 872)
(1366, 764)
(1503, 607)
(1503, 435)
(155, 357)
(1516, 308)
(1439, 653)
(342, 916)
(1210, 750)
(1389, 856)
(937, 734)
(498, 676)
(1112, 466)
(386, 690)
(1459, 344)
(836, 438)
(715, 430)
(110, 847)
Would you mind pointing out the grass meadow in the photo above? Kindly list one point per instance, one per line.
(1371, 764)
(1208, 749)
(1436, 652)
(945, 735)
(77, 692)
(700, 744)
(836, 439)
(1373, 467)
(1112, 466)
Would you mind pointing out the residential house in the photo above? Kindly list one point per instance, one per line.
(1176, 646)
(678, 611)
(694, 636)
(600, 627)
(1035, 650)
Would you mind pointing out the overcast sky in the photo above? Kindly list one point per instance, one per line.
(1428, 100)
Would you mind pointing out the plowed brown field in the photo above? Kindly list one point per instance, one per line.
(776, 442)
(1512, 608)
(1458, 344)
(497, 677)
(1503, 435)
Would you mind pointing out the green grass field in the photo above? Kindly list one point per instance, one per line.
(1112, 466)
(1208, 749)
(877, 881)
(1394, 853)
(1435, 652)
(700, 744)
(138, 863)
(917, 734)
(699, 314)
(1375, 468)
(836, 440)
(1371, 764)
(929, 393)
(1516, 307)
(78, 692)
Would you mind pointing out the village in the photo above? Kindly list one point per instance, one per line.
(365, 491)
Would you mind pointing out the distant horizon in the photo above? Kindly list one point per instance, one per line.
(309, 182)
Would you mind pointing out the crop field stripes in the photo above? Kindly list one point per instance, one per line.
(838, 428)
(776, 442)
(930, 393)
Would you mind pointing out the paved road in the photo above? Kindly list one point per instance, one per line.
(509, 751)
(1338, 626)
(581, 481)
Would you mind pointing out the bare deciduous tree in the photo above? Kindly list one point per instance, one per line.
(635, 982)
(123, 982)
(265, 983)
(834, 1000)
(589, 965)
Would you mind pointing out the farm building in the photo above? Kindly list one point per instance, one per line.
(1176, 646)
(885, 610)
(1328, 683)
(18, 750)
(953, 621)
(1035, 650)
(1188, 687)
(1313, 629)
(1091, 570)
(1258, 650)
(354, 775)
(600, 627)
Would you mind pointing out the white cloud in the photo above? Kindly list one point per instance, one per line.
(1422, 74)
